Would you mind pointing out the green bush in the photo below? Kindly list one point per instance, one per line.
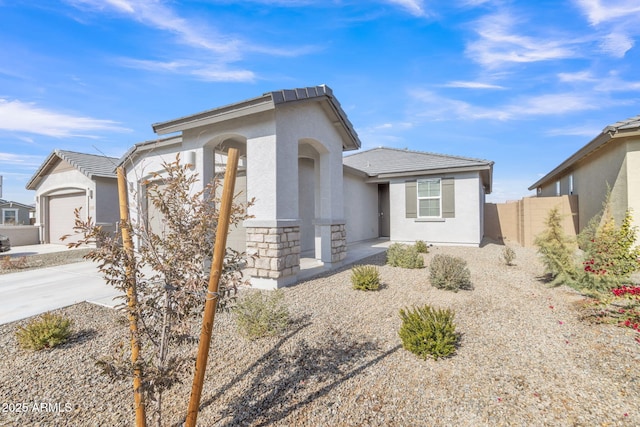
(508, 255)
(46, 331)
(365, 278)
(557, 250)
(261, 314)
(609, 253)
(428, 332)
(399, 255)
(450, 273)
(421, 247)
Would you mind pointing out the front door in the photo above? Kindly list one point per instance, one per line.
(384, 228)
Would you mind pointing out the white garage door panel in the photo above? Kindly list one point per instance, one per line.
(62, 217)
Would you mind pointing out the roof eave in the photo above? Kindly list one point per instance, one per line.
(596, 143)
(142, 147)
(228, 112)
(33, 182)
(488, 166)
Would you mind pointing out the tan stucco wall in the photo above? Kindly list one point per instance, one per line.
(523, 220)
(606, 166)
(633, 180)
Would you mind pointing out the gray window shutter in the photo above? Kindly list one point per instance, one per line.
(411, 199)
(448, 198)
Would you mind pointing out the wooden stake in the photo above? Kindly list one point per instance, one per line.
(132, 299)
(211, 301)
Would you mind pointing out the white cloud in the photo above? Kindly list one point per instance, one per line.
(617, 18)
(414, 7)
(436, 107)
(597, 12)
(214, 73)
(499, 44)
(472, 85)
(616, 44)
(155, 14)
(586, 131)
(18, 116)
(23, 160)
(581, 76)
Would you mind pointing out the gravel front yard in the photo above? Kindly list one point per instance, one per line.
(525, 358)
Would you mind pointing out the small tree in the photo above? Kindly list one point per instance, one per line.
(610, 256)
(557, 251)
(171, 270)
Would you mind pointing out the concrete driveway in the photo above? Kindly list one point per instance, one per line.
(32, 292)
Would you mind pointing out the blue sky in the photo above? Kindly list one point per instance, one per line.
(523, 83)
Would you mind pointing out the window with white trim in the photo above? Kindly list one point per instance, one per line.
(429, 198)
(571, 184)
(9, 216)
(557, 187)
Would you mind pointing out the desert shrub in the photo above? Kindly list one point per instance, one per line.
(421, 247)
(426, 331)
(609, 253)
(508, 255)
(365, 278)
(399, 255)
(261, 314)
(557, 250)
(449, 272)
(46, 331)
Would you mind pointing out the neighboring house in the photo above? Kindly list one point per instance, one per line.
(610, 161)
(410, 195)
(14, 213)
(67, 181)
(307, 202)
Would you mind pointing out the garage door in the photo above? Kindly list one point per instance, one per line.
(62, 218)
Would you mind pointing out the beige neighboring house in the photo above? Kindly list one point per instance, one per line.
(68, 180)
(611, 159)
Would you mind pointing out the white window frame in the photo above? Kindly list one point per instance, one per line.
(571, 184)
(439, 197)
(558, 188)
(14, 210)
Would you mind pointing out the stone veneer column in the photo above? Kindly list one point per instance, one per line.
(338, 243)
(278, 254)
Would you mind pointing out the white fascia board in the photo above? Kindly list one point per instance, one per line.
(215, 116)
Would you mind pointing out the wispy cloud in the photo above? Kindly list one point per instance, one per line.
(153, 13)
(597, 12)
(617, 19)
(414, 7)
(580, 76)
(214, 73)
(436, 107)
(499, 44)
(22, 160)
(18, 116)
(472, 85)
(586, 131)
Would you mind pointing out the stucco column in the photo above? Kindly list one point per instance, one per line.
(273, 235)
(331, 247)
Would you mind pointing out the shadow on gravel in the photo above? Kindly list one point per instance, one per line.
(293, 374)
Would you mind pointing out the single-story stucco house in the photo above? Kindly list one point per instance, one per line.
(14, 213)
(68, 180)
(609, 161)
(309, 200)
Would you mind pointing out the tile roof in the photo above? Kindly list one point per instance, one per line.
(630, 123)
(390, 161)
(91, 165)
(266, 102)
